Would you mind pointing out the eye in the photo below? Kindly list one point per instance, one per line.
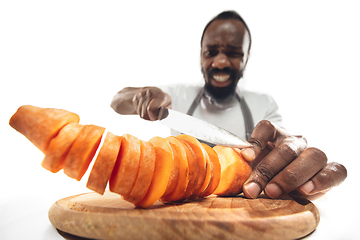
(210, 53)
(235, 54)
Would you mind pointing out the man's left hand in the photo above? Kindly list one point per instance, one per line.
(283, 164)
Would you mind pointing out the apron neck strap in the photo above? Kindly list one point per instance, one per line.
(249, 123)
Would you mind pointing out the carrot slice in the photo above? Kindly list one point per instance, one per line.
(200, 156)
(145, 175)
(217, 170)
(163, 166)
(82, 151)
(174, 175)
(104, 163)
(59, 146)
(234, 171)
(40, 125)
(183, 166)
(193, 170)
(126, 168)
(209, 176)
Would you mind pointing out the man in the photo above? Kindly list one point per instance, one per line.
(282, 163)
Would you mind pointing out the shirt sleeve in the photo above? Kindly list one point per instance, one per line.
(263, 107)
(272, 114)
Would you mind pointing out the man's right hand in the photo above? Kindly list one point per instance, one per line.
(144, 101)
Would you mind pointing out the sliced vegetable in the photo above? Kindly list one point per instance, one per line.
(104, 163)
(126, 168)
(145, 175)
(59, 147)
(234, 171)
(163, 166)
(82, 151)
(40, 125)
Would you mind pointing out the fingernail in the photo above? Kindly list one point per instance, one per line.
(273, 190)
(307, 187)
(248, 154)
(252, 189)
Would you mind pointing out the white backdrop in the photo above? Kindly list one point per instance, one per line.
(76, 55)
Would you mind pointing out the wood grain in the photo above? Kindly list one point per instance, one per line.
(108, 216)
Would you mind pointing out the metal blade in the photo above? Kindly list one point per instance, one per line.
(200, 129)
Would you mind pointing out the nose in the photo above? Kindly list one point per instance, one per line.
(221, 61)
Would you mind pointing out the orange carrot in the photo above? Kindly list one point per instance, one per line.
(40, 125)
(104, 163)
(234, 171)
(126, 167)
(174, 175)
(209, 176)
(163, 166)
(183, 166)
(145, 175)
(82, 151)
(217, 170)
(193, 166)
(200, 156)
(59, 147)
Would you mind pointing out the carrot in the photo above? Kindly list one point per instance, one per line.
(174, 175)
(209, 176)
(145, 175)
(126, 167)
(217, 170)
(163, 166)
(200, 157)
(59, 146)
(104, 163)
(183, 166)
(234, 171)
(40, 125)
(82, 151)
(193, 170)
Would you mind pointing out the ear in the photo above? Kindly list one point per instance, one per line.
(247, 58)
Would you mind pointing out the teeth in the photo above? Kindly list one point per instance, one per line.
(221, 78)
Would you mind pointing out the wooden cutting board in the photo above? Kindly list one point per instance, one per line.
(107, 216)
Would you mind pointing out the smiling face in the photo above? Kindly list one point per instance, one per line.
(224, 54)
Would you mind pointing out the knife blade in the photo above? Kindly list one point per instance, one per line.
(200, 129)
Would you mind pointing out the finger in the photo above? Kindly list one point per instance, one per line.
(155, 104)
(146, 99)
(136, 101)
(272, 164)
(153, 110)
(309, 162)
(140, 108)
(263, 133)
(330, 176)
(140, 102)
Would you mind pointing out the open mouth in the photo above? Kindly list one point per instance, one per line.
(221, 77)
(221, 80)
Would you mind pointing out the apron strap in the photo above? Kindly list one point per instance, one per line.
(248, 119)
(196, 102)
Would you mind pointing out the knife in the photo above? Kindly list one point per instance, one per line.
(200, 129)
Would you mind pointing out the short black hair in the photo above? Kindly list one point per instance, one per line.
(224, 16)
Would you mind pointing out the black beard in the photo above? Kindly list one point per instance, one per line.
(221, 93)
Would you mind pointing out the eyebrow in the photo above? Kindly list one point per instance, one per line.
(227, 46)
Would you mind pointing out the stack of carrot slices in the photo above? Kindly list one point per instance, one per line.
(142, 172)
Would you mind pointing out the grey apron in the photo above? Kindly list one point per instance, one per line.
(249, 123)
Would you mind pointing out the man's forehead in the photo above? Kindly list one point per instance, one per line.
(230, 32)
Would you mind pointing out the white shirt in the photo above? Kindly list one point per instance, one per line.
(262, 107)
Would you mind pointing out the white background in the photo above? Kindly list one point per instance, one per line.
(76, 55)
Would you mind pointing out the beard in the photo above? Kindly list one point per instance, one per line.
(222, 93)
